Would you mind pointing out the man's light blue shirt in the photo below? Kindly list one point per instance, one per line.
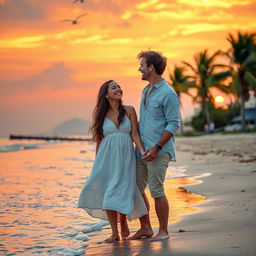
(160, 112)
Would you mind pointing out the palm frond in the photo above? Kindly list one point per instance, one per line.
(250, 63)
(235, 85)
(213, 57)
(218, 77)
(189, 66)
(242, 46)
(251, 79)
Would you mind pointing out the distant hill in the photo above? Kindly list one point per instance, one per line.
(73, 126)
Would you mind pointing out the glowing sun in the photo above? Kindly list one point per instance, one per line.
(219, 99)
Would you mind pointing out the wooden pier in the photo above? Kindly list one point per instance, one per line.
(47, 138)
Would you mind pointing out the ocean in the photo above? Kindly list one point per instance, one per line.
(40, 185)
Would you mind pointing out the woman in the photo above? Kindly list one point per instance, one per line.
(111, 192)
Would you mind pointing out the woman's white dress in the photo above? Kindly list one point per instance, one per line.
(112, 182)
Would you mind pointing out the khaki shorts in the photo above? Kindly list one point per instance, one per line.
(153, 174)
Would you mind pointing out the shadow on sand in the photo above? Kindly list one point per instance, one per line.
(132, 247)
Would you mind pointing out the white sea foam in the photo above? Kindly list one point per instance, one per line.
(176, 172)
(19, 147)
(83, 160)
(95, 226)
(82, 238)
(77, 253)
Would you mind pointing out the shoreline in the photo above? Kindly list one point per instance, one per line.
(224, 224)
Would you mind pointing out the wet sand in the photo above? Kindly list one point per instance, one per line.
(225, 223)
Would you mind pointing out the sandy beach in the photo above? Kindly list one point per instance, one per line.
(223, 224)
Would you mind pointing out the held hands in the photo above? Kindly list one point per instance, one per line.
(150, 154)
(142, 152)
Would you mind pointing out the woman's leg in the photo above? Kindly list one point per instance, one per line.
(112, 217)
(125, 232)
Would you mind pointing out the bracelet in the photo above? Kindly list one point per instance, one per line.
(159, 147)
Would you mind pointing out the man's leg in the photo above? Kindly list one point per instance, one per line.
(162, 211)
(146, 229)
(157, 170)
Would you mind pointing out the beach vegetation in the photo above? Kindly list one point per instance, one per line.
(220, 117)
(236, 78)
(207, 74)
(243, 58)
(181, 83)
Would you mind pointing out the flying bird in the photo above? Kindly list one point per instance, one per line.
(75, 21)
(81, 1)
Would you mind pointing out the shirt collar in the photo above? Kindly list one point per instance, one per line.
(159, 84)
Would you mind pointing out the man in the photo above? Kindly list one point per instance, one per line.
(159, 120)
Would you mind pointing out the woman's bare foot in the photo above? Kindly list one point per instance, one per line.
(112, 239)
(160, 236)
(148, 232)
(125, 231)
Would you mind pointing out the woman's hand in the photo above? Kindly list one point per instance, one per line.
(142, 151)
(151, 154)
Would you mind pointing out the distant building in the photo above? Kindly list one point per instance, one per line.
(251, 103)
(250, 111)
(250, 116)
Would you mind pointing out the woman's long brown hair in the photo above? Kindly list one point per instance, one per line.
(100, 112)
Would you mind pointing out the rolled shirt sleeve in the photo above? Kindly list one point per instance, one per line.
(160, 112)
(171, 108)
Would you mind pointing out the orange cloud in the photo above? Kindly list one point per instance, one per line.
(146, 4)
(23, 42)
(216, 3)
(104, 44)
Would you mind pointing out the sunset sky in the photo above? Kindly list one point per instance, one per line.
(50, 71)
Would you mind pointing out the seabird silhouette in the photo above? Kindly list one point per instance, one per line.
(81, 1)
(75, 21)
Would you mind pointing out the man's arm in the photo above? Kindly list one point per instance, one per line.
(171, 108)
(152, 153)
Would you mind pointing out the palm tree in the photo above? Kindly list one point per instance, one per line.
(206, 76)
(243, 56)
(181, 83)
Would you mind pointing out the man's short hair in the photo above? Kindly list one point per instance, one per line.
(154, 58)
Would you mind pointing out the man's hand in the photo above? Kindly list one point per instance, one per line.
(150, 154)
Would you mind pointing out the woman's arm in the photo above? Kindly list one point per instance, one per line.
(134, 128)
(97, 146)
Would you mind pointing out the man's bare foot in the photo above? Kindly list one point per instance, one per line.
(148, 232)
(160, 236)
(112, 239)
(125, 232)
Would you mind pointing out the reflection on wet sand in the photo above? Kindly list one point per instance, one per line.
(181, 202)
(39, 189)
(129, 248)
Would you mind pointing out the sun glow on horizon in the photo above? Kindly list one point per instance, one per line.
(219, 99)
(221, 102)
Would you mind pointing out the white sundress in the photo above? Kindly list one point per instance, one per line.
(112, 182)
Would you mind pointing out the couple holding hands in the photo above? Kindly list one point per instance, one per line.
(115, 189)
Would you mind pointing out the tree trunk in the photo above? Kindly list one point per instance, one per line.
(206, 109)
(242, 109)
(207, 115)
(242, 97)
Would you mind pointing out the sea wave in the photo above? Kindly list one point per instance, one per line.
(176, 172)
(75, 159)
(19, 147)
(96, 226)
